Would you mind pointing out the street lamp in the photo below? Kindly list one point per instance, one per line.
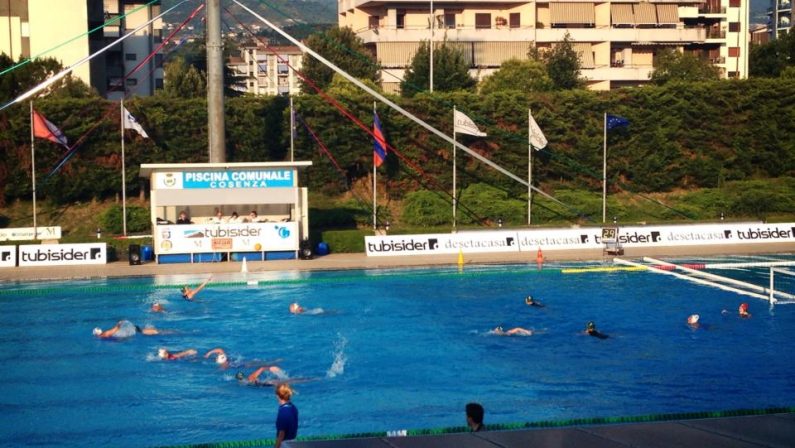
(386, 226)
(615, 220)
(721, 216)
(499, 222)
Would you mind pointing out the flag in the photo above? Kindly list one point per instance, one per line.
(379, 145)
(131, 123)
(614, 121)
(43, 128)
(537, 139)
(464, 125)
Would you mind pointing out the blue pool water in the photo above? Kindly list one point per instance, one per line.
(393, 350)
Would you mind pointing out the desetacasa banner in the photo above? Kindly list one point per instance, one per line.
(578, 238)
(62, 254)
(26, 233)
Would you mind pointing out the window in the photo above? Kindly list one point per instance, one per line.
(734, 27)
(734, 3)
(734, 52)
(449, 20)
(482, 20)
(401, 19)
(158, 83)
(132, 82)
(158, 60)
(514, 20)
(131, 56)
(282, 69)
(373, 22)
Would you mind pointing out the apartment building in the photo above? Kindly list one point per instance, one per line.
(780, 13)
(616, 40)
(56, 28)
(261, 70)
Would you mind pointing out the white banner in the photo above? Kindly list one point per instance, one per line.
(244, 237)
(8, 256)
(62, 254)
(26, 233)
(579, 238)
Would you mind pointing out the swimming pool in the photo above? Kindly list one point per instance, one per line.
(396, 349)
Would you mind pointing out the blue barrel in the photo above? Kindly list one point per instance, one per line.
(147, 254)
(322, 248)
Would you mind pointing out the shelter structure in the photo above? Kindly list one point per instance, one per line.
(227, 211)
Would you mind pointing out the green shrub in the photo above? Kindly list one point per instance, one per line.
(484, 202)
(137, 219)
(426, 208)
(345, 241)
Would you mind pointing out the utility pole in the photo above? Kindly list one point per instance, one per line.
(215, 84)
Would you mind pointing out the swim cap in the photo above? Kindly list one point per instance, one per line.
(744, 306)
(590, 325)
(162, 353)
(693, 319)
(97, 331)
(239, 375)
(528, 299)
(220, 359)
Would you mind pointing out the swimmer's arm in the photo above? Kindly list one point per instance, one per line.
(183, 354)
(219, 351)
(110, 331)
(200, 287)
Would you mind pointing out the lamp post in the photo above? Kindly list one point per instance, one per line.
(499, 222)
(615, 220)
(386, 226)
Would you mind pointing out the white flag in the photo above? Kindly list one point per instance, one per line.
(131, 123)
(464, 125)
(537, 139)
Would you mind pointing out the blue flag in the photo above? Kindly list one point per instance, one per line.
(614, 121)
(379, 144)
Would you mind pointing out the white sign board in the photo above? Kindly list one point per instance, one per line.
(26, 233)
(578, 238)
(62, 254)
(8, 256)
(244, 237)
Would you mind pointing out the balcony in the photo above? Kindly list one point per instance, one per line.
(460, 33)
(707, 9)
(715, 34)
(623, 34)
(624, 73)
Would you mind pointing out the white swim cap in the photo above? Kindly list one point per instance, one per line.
(693, 319)
(162, 353)
(97, 331)
(220, 359)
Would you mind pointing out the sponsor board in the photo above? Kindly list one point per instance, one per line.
(8, 256)
(442, 243)
(243, 237)
(26, 233)
(580, 238)
(62, 254)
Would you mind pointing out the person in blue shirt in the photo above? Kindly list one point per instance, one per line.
(287, 418)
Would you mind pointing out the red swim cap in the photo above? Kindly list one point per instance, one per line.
(744, 306)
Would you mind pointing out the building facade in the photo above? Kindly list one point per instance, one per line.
(56, 29)
(261, 70)
(780, 17)
(617, 41)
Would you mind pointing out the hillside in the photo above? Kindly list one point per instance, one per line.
(282, 12)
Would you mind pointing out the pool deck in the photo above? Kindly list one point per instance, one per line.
(773, 430)
(362, 261)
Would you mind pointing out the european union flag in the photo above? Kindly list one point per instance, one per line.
(379, 145)
(614, 121)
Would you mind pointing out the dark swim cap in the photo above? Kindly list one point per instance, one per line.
(590, 326)
(239, 375)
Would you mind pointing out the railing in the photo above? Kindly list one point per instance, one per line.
(718, 60)
(707, 9)
(716, 34)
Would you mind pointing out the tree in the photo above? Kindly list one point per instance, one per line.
(527, 75)
(770, 59)
(344, 49)
(183, 81)
(563, 65)
(24, 77)
(673, 65)
(450, 71)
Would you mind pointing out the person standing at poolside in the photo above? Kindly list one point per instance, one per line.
(475, 413)
(287, 418)
(188, 293)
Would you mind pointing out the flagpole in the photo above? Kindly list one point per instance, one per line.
(455, 195)
(292, 131)
(529, 168)
(33, 169)
(123, 173)
(604, 169)
(375, 225)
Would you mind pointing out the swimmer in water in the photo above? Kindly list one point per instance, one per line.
(743, 310)
(517, 331)
(253, 379)
(188, 293)
(168, 356)
(157, 308)
(530, 301)
(590, 330)
(124, 329)
(220, 358)
(692, 320)
(295, 308)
